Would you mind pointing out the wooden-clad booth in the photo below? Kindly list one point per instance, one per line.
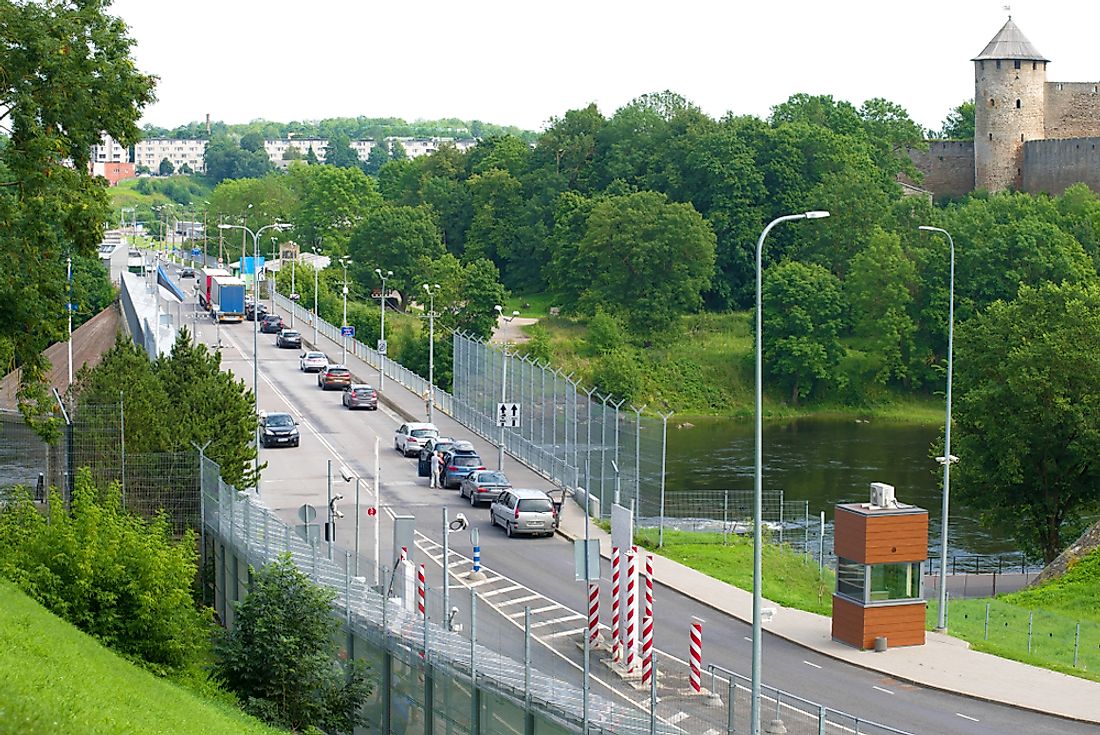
(880, 547)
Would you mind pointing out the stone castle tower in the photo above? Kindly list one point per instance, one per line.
(1009, 107)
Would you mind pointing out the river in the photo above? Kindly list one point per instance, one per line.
(826, 461)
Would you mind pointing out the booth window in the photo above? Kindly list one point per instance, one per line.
(895, 581)
(851, 579)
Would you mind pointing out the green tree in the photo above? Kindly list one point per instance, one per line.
(225, 159)
(539, 345)
(331, 202)
(311, 156)
(280, 657)
(376, 159)
(339, 152)
(468, 294)
(92, 288)
(803, 315)
(67, 79)
(605, 332)
(1027, 414)
(397, 151)
(166, 168)
(618, 372)
(121, 579)
(126, 375)
(878, 287)
(252, 142)
(395, 238)
(959, 123)
(648, 257)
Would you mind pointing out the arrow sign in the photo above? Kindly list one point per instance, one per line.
(508, 415)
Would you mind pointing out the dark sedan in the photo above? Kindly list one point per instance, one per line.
(250, 310)
(483, 485)
(361, 395)
(272, 324)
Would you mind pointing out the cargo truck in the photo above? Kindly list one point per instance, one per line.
(227, 298)
(205, 283)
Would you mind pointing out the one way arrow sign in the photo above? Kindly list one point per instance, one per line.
(508, 415)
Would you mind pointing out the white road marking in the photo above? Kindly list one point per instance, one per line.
(518, 600)
(816, 666)
(555, 621)
(887, 691)
(967, 717)
(564, 633)
(501, 591)
(748, 639)
(679, 717)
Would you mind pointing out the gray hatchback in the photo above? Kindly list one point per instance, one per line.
(524, 511)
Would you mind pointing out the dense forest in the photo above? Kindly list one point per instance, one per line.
(356, 128)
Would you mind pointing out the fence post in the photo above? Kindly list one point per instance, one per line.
(985, 635)
(603, 449)
(475, 695)
(528, 715)
(664, 455)
(637, 463)
(821, 543)
(821, 717)
(1030, 620)
(387, 658)
(653, 698)
(731, 710)
(1076, 644)
(725, 515)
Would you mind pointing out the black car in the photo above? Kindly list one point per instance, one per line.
(424, 459)
(272, 324)
(250, 311)
(187, 272)
(279, 429)
(289, 338)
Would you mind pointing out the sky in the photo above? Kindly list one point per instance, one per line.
(524, 63)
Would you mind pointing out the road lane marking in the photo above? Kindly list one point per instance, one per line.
(555, 621)
(502, 590)
(677, 718)
(816, 666)
(564, 633)
(518, 600)
(967, 717)
(887, 691)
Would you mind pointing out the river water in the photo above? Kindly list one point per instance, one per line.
(826, 461)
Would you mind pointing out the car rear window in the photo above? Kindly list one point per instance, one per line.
(535, 505)
(363, 391)
(492, 478)
(289, 333)
(421, 433)
(339, 371)
(466, 460)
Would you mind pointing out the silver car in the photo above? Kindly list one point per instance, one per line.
(483, 485)
(524, 511)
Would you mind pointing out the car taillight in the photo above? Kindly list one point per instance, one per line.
(452, 467)
(481, 489)
(517, 511)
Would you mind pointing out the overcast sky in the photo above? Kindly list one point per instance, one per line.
(523, 63)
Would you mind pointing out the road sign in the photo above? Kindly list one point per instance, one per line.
(586, 560)
(372, 511)
(508, 415)
(382, 347)
(309, 532)
(196, 251)
(307, 513)
(346, 331)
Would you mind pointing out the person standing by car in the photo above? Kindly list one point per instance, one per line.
(437, 464)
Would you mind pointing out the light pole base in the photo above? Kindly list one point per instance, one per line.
(476, 576)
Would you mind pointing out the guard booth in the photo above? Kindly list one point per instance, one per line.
(881, 547)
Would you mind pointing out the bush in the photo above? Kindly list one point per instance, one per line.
(605, 332)
(113, 575)
(280, 657)
(618, 372)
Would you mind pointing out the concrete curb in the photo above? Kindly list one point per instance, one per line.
(865, 666)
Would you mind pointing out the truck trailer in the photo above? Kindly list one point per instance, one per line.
(227, 298)
(204, 284)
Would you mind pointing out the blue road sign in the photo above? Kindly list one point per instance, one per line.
(196, 251)
(347, 331)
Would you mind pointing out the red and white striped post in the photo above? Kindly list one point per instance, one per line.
(421, 588)
(594, 613)
(647, 622)
(696, 651)
(631, 606)
(616, 591)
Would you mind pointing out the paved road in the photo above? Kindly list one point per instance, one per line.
(542, 569)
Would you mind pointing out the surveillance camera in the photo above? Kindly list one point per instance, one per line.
(346, 474)
(459, 523)
(337, 514)
(336, 497)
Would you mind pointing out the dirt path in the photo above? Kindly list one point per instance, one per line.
(511, 332)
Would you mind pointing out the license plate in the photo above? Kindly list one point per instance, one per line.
(534, 523)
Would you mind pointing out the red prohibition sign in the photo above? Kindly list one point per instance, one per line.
(371, 511)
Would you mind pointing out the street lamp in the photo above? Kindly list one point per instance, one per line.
(758, 479)
(382, 347)
(344, 261)
(947, 458)
(255, 322)
(431, 291)
(316, 270)
(503, 383)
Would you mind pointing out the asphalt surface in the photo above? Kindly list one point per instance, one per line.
(542, 569)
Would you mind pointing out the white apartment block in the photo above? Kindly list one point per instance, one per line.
(179, 151)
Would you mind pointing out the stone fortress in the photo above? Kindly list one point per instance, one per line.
(1030, 135)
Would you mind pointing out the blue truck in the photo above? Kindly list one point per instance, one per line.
(227, 298)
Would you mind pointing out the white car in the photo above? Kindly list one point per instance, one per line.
(409, 438)
(312, 362)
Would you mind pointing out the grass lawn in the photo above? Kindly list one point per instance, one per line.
(55, 679)
(790, 578)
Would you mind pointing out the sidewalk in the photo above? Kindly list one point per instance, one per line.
(943, 663)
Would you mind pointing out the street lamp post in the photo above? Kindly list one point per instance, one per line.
(758, 477)
(344, 261)
(947, 458)
(431, 291)
(503, 384)
(316, 271)
(382, 336)
(255, 324)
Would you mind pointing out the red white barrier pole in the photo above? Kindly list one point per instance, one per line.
(696, 657)
(631, 607)
(647, 622)
(593, 613)
(421, 587)
(616, 591)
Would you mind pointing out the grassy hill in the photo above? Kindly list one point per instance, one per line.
(55, 679)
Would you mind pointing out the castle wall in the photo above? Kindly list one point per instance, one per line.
(1049, 166)
(947, 165)
(1008, 110)
(1072, 109)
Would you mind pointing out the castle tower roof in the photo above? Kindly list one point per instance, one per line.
(1010, 43)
